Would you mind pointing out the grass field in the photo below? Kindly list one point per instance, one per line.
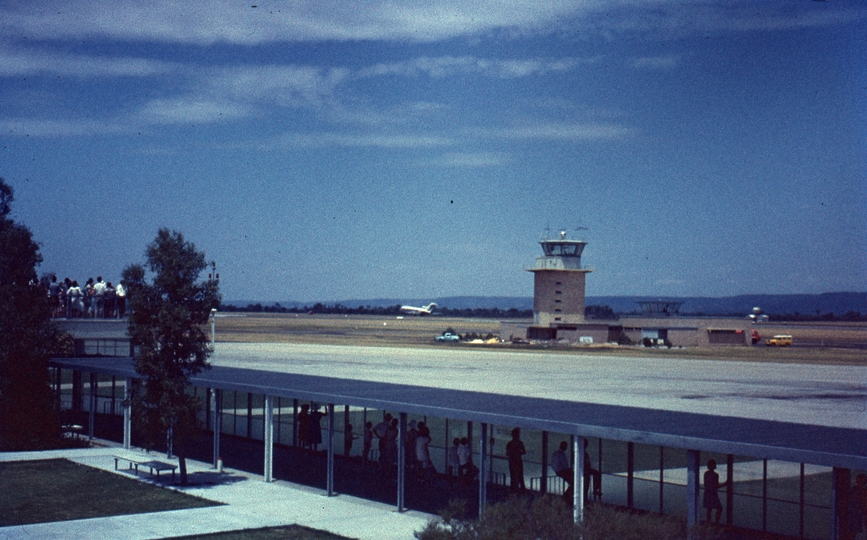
(420, 331)
(43, 491)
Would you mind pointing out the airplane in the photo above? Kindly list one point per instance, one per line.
(426, 310)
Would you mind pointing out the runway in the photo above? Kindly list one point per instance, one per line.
(834, 396)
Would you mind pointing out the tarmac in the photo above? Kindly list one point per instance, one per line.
(248, 503)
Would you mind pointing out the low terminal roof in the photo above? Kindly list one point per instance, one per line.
(820, 445)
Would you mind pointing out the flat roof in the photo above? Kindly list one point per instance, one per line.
(796, 442)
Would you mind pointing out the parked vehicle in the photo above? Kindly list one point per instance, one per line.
(448, 336)
(780, 340)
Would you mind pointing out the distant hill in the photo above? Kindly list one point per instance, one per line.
(838, 303)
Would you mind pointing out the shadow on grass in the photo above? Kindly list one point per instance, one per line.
(43, 491)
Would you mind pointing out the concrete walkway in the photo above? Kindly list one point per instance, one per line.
(249, 503)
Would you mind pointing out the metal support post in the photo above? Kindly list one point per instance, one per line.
(630, 475)
(765, 494)
(730, 490)
(127, 414)
(801, 503)
(839, 503)
(543, 481)
(661, 479)
(330, 441)
(218, 424)
(483, 458)
(269, 438)
(692, 487)
(578, 478)
(92, 412)
(401, 462)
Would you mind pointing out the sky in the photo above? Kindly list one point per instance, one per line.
(321, 151)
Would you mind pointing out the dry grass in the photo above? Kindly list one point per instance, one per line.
(420, 331)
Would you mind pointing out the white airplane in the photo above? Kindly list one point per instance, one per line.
(426, 310)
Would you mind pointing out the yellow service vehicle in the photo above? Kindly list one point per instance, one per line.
(780, 340)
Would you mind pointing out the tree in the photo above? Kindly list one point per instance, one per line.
(166, 323)
(28, 416)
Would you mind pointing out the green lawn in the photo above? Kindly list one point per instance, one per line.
(59, 490)
(43, 491)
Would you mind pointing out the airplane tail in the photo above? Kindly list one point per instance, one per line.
(430, 306)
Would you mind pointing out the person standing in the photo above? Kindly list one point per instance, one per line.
(712, 485)
(515, 453)
(303, 424)
(560, 464)
(590, 472)
(99, 298)
(348, 438)
(120, 299)
(367, 436)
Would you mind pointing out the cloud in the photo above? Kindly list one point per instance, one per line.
(468, 160)
(395, 20)
(36, 127)
(278, 21)
(555, 131)
(445, 66)
(25, 63)
(378, 140)
(191, 110)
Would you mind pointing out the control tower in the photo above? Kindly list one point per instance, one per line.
(559, 282)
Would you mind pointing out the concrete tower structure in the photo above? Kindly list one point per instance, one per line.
(559, 282)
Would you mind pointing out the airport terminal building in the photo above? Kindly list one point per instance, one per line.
(791, 478)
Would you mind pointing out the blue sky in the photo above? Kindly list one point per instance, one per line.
(320, 151)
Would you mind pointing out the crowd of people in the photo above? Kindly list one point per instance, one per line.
(96, 299)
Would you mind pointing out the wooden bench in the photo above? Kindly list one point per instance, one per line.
(154, 467)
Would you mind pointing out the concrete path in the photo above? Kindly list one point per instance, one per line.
(249, 503)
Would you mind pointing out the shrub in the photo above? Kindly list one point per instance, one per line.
(548, 518)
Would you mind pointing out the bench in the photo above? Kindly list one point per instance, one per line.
(154, 467)
(72, 430)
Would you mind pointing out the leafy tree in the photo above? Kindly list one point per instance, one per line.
(28, 417)
(166, 322)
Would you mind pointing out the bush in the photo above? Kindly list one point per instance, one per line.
(548, 518)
